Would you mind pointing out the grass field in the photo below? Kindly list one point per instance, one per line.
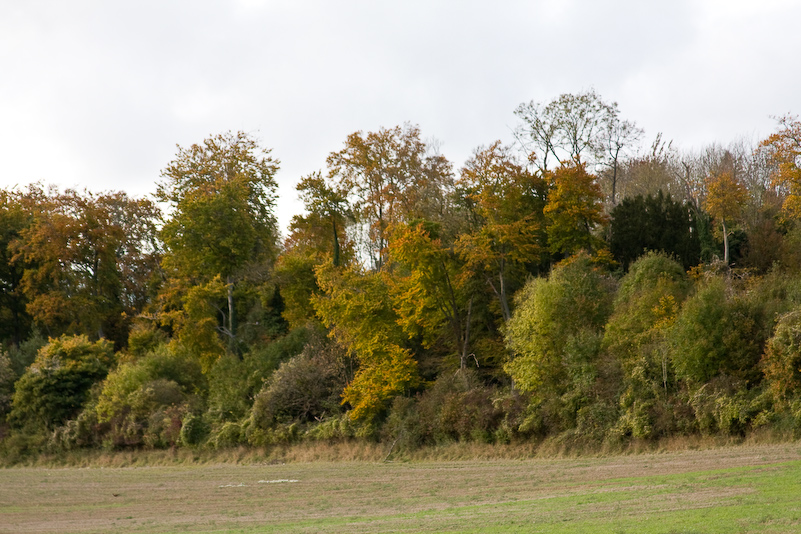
(728, 490)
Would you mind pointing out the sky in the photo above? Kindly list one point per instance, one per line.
(96, 94)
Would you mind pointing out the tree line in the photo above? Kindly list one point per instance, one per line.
(571, 286)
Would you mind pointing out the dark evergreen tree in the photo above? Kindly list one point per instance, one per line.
(657, 223)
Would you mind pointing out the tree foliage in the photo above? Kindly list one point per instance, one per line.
(785, 149)
(222, 229)
(392, 177)
(505, 204)
(573, 211)
(55, 387)
(88, 260)
(356, 306)
(654, 223)
(575, 298)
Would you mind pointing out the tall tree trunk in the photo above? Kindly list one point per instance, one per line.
(466, 336)
(230, 283)
(725, 245)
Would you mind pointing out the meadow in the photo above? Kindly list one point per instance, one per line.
(740, 489)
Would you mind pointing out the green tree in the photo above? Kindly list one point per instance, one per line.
(323, 228)
(654, 223)
(15, 322)
(717, 333)
(646, 305)
(221, 195)
(576, 298)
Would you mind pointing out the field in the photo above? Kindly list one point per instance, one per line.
(727, 490)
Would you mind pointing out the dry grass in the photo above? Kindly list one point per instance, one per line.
(365, 451)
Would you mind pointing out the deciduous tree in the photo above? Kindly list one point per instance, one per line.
(87, 261)
(785, 148)
(222, 195)
(356, 307)
(505, 203)
(573, 211)
(393, 177)
(725, 201)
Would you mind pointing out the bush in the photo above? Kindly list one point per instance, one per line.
(782, 360)
(151, 391)
(305, 388)
(228, 435)
(56, 385)
(234, 383)
(575, 298)
(715, 334)
(455, 408)
(7, 379)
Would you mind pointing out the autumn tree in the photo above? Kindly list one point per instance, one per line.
(725, 201)
(392, 176)
(356, 307)
(505, 233)
(88, 260)
(573, 211)
(782, 359)
(617, 138)
(574, 129)
(15, 322)
(784, 147)
(222, 228)
(426, 290)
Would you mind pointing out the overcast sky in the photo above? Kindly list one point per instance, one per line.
(97, 94)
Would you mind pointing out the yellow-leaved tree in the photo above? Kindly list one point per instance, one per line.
(356, 307)
(725, 200)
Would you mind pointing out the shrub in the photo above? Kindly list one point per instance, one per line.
(576, 297)
(146, 392)
(305, 388)
(717, 334)
(56, 385)
(782, 360)
(456, 408)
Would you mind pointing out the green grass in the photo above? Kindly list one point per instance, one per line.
(730, 490)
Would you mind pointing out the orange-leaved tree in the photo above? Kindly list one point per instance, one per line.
(425, 287)
(784, 147)
(573, 211)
